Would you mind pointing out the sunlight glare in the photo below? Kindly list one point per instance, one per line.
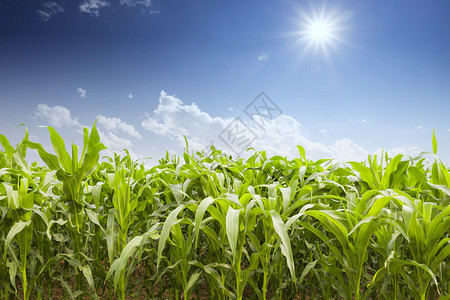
(320, 31)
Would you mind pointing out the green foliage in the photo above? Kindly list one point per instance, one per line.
(213, 226)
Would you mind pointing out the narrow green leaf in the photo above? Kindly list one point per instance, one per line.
(286, 195)
(199, 217)
(306, 270)
(166, 231)
(49, 159)
(232, 227)
(60, 149)
(385, 181)
(50, 224)
(434, 142)
(15, 229)
(6, 145)
(286, 249)
(92, 216)
(86, 269)
(194, 277)
(119, 264)
(111, 235)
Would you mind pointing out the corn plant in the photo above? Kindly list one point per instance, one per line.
(72, 172)
(212, 226)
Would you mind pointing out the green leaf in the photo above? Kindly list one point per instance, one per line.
(367, 175)
(119, 264)
(92, 216)
(86, 269)
(434, 142)
(50, 224)
(166, 231)
(111, 235)
(199, 217)
(286, 195)
(301, 150)
(232, 227)
(60, 149)
(94, 137)
(15, 229)
(385, 181)
(306, 270)
(12, 267)
(286, 249)
(194, 277)
(50, 160)
(6, 146)
(18, 158)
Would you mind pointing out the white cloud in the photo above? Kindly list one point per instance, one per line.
(419, 127)
(146, 6)
(130, 96)
(49, 9)
(59, 117)
(411, 151)
(117, 125)
(347, 150)
(263, 56)
(280, 136)
(114, 142)
(56, 116)
(145, 3)
(81, 92)
(112, 131)
(323, 130)
(93, 7)
(174, 119)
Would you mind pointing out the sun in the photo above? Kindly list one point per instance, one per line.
(321, 31)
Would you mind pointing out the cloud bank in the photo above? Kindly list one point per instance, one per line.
(175, 120)
(279, 136)
(172, 120)
(114, 132)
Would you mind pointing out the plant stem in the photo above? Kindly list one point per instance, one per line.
(24, 281)
(122, 285)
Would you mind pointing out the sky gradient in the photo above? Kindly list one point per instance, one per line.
(157, 71)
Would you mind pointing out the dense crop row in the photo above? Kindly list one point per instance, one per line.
(214, 227)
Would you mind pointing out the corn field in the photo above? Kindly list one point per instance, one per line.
(210, 226)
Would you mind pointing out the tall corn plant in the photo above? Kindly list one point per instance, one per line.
(121, 218)
(178, 228)
(353, 231)
(19, 187)
(426, 233)
(178, 256)
(20, 203)
(72, 171)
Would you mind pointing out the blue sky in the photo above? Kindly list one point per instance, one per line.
(157, 71)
